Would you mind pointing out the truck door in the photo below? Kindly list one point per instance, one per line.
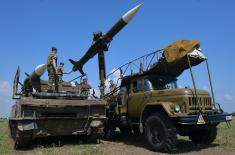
(136, 98)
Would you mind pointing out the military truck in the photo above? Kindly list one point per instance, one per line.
(149, 102)
(37, 113)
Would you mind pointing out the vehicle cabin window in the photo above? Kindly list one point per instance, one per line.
(134, 86)
(163, 83)
(147, 85)
(142, 85)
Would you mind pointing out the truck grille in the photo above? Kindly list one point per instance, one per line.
(201, 103)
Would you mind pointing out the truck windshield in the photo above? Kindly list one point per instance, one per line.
(163, 83)
(154, 83)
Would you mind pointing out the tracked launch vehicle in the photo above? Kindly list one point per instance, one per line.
(41, 114)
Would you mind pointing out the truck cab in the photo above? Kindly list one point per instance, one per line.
(155, 106)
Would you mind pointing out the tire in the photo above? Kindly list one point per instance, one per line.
(204, 136)
(160, 133)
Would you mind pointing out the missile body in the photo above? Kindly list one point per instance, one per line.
(100, 44)
(38, 71)
(126, 18)
(33, 80)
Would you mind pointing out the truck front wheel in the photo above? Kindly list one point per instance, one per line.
(160, 133)
(203, 136)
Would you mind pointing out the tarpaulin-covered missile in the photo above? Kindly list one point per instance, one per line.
(33, 80)
(38, 71)
(101, 41)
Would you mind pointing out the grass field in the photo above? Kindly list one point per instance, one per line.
(225, 140)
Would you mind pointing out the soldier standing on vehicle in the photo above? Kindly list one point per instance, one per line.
(85, 87)
(112, 88)
(52, 70)
(60, 72)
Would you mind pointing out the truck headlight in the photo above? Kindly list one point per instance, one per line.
(177, 108)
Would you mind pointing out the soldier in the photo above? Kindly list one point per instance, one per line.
(112, 87)
(27, 87)
(60, 72)
(52, 71)
(85, 87)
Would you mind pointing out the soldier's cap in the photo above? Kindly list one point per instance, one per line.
(54, 49)
(61, 63)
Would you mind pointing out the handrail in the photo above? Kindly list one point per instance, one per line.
(132, 63)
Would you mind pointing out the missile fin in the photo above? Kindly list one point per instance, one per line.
(72, 61)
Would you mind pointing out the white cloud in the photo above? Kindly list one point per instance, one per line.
(116, 74)
(5, 87)
(115, 77)
(5, 98)
(227, 97)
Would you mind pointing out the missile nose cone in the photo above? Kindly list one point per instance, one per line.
(131, 13)
(40, 69)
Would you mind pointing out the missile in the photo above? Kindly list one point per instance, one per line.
(101, 41)
(33, 80)
(38, 72)
(126, 18)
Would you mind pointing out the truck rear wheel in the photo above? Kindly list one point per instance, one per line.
(203, 136)
(160, 133)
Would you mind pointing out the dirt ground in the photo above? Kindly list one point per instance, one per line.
(121, 146)
(184, 147)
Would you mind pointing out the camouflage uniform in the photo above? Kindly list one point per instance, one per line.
(27, 88)
(112, 88)
(85, 90)
(60, 72)
(52, 81)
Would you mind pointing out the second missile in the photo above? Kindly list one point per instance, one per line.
(101, 41)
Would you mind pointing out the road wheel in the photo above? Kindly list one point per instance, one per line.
(160, 133)
(203, 136)
(22, 139)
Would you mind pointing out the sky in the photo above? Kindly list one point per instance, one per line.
(28, 30)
